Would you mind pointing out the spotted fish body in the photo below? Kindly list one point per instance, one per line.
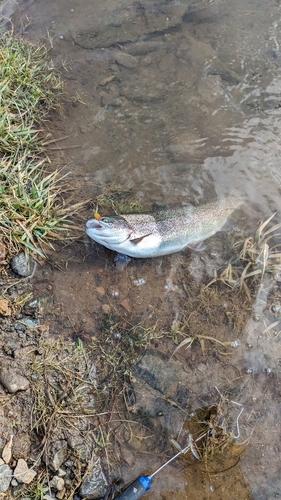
(162, 232)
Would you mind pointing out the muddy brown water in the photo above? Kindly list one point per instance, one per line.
(176, 102)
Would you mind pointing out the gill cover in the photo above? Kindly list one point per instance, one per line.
(108, 229)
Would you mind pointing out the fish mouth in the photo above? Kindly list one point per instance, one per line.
(93, 224)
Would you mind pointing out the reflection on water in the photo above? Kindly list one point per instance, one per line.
(180, 103)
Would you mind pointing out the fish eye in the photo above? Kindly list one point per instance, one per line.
(105, 219)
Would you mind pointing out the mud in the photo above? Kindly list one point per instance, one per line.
(177, 103)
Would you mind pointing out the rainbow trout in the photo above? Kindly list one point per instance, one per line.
(161, 232)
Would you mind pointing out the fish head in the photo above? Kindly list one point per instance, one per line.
(108, 231)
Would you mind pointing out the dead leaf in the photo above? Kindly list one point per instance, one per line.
(7, 450)
(5, 309)
(107, 80)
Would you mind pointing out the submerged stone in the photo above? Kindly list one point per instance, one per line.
(126, 60)
(158, 373)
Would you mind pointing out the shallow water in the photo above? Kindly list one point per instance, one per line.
(178, 103)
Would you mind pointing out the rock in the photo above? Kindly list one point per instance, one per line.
(11, 380)
(143, 48)
(7, 450)
(59, 450)
(57, 483)
(95, 485)
(120, 24)
(22, 265)
(30, 323)
(126, 60)
(5, 477)
(160, 374)
(22, 473)
(31, 307)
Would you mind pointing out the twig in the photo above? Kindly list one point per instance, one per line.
(65, 147)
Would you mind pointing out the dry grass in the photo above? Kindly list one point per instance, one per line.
(63, 387)
(202, 341)
(116, 350)
(254, 256)
(63, 381)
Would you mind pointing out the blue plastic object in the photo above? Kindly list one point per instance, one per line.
(136, 489)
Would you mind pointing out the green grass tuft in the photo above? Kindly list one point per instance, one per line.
(32, 210)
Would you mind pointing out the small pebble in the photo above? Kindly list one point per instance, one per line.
(249, 371)
(61, 37)
(106, 309)
(115, 293)
(235, 343)
(19, 326)
(22, 265)
(30, 323)
(57, 483)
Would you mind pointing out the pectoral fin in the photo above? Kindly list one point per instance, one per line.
(135, 241)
